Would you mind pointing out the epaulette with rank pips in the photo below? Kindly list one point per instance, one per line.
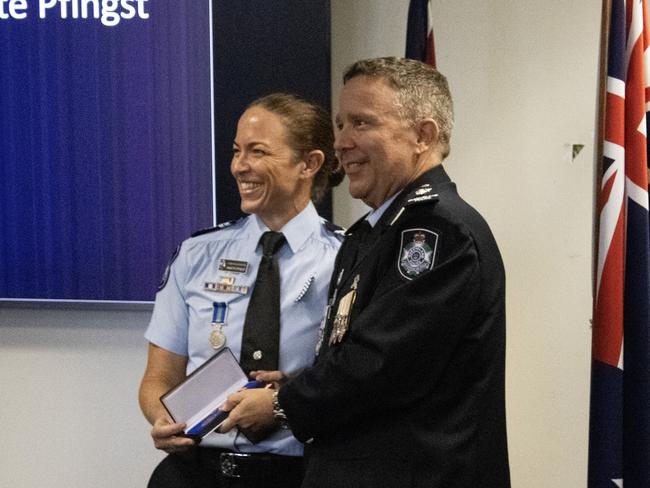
(421, 194)
(217, 227)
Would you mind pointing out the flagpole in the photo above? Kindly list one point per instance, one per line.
(600, 133)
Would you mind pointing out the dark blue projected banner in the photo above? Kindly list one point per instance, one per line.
(106, 150)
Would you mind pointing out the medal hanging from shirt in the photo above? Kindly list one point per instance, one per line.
(217, 336)
(342, 317)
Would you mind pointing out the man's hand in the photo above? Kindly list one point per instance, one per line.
(169, 437)
(276, 378)
(249, 409)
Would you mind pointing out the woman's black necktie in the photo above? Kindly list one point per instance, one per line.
(260, 347)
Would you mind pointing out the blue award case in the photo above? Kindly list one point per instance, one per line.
(196, 400)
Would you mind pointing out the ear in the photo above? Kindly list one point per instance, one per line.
(428, 135)
(312, 162)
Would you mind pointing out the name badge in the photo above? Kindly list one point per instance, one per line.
(233, 266)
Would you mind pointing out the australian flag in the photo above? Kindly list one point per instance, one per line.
(619, 430)
(419, 33)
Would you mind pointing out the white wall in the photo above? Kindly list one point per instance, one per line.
(523, 76)
(69, 411)
(524, 79)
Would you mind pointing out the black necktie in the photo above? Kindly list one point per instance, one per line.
(261, 338)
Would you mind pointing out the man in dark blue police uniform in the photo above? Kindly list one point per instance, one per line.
(408, 385)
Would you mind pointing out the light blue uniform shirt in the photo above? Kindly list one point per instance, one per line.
(183, 311)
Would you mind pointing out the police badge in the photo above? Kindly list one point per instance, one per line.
(417, 252)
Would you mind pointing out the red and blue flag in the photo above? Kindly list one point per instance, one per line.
(419, 32)
(619, 430)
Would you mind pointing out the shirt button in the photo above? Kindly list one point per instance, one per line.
(257, 355)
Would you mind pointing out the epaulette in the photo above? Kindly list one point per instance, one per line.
(421, 194)
(217, 227)
(333, 228)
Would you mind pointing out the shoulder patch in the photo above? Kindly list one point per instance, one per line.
(165, 277)
(417, 252)
(217, 227)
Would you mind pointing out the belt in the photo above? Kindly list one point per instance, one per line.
(242, 465)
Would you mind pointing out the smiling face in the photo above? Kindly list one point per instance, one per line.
(269, 174)
(378, 149)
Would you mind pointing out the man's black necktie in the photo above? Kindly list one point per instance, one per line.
(260, 347)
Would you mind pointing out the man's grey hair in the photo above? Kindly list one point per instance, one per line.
(422, 91)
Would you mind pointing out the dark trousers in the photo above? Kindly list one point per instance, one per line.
(368, 472)
(203, 467)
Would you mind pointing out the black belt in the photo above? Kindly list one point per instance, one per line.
(241, 465)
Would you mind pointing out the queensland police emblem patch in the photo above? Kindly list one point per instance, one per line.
(417, 252)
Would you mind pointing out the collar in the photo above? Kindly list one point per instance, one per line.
(296, 231)
(391, 208)
(374, 216)
(433, 178)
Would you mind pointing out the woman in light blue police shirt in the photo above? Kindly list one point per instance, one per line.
(282, 160)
